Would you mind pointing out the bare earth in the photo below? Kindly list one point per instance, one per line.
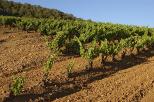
(22, 53)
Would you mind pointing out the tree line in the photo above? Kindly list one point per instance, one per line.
(11, 8)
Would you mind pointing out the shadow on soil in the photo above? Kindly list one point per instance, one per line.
(2, 41)
(80, 80)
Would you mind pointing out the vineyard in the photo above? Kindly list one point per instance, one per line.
(73, 36)
(83, 38)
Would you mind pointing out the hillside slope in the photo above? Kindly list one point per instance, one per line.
(22, 53)
(11, 8)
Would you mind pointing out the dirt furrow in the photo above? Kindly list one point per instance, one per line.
(128, 80)
(149, 97)
(127, 85)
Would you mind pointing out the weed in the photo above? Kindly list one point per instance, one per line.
(69, 68)
(17, 86)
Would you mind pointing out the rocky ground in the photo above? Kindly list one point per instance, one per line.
(23, 54)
